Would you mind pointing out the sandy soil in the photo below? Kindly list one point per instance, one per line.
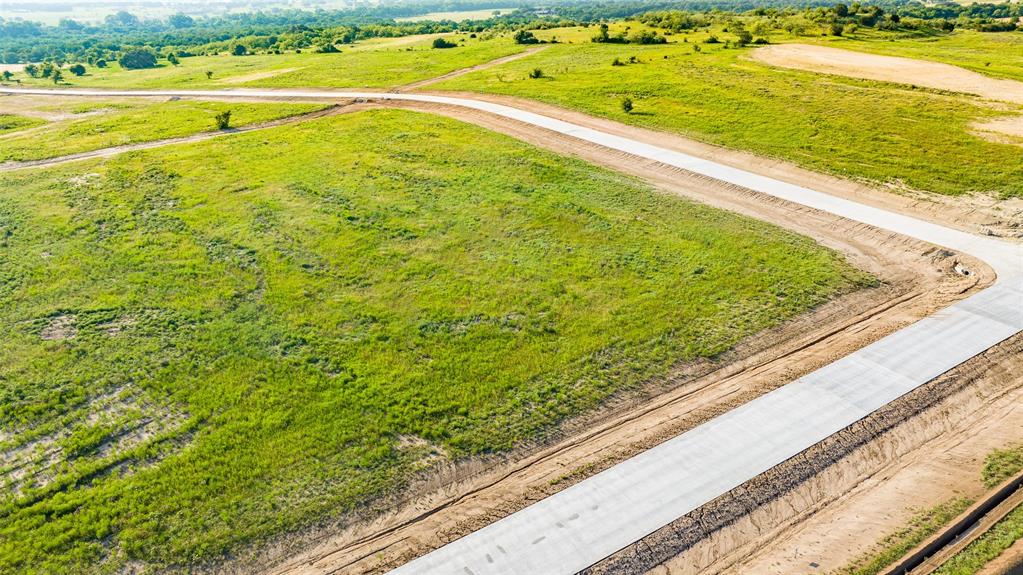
(11, 67)
(889, 69)
(464, 71)
(462, 498)
(1002, 130)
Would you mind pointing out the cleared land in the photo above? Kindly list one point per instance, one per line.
(220, 339)
(95, 125)
(889, 69)
(998, 54)
(865, 130)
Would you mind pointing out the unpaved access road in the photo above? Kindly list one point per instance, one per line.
(591, 520)
(895, 69)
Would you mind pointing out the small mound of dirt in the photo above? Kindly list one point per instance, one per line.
(60, 327)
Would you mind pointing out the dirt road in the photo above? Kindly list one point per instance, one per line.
(889, 69)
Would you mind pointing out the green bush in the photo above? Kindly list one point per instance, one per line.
(137, 59)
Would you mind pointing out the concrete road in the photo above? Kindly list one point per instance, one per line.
(593, 519)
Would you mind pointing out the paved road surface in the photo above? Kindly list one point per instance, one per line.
(591, 520)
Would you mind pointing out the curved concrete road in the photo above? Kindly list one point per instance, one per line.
(593, 519)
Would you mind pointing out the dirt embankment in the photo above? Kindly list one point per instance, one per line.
(461, 498)
(833, 503)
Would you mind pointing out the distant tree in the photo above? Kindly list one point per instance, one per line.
(181, 21)
(209, 74)
(101, 63)
(223, 120)
(536, 73)
(330, 48)
(46, 70)
(743, 36)
(841, 10)
(57, 75)
(442, 43)
(7, 75)
(525, 37)
(122, 20)
(137, 59)
(32, 70)
(77, 69)
(712, 39)
(616, 62)
(627, 105)
(837, 28)
(239, 50)
(173, 59)
(68, 24)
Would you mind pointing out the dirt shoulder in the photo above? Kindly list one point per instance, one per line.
(889, 69)
(463, 497)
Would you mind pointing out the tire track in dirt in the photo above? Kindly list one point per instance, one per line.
(470, 69)
(202, 136)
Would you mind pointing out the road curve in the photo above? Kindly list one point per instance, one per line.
(593, 519)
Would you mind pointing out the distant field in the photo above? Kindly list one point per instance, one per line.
(208, 345)
(858, 129)
(373, 64)
(104, 124)
(458, 16)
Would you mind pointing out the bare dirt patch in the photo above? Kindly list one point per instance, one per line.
(60, 327)
(1001, 130)
(889, 69)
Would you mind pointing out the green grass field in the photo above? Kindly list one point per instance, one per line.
(381, 63)
(13, 123)
(858, 129)
(212, 344)
(104, 125)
